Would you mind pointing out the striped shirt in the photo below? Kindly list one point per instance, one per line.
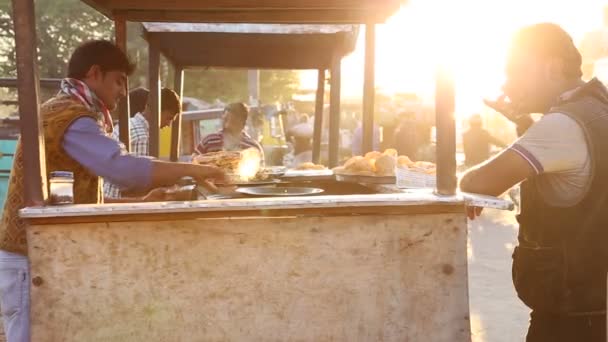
(140, 138)
(215, 142)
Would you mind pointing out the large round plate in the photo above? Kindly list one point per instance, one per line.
(269, 191)
(366, 179)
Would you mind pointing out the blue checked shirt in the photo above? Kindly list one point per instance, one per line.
(140, 137)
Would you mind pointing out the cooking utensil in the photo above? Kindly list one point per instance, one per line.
(279, 191)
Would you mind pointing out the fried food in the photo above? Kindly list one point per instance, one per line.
(390, 152)
(424, 167)
(404, 161)
(225, 160)
(310, 166)
(359, 164)
(238, 165)
(385, 165)
(373, 155)
(382, 164)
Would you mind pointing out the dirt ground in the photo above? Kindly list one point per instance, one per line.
(497, 315)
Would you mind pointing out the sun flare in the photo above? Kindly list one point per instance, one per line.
(469, 36)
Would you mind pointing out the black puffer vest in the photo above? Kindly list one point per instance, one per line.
(561, 263)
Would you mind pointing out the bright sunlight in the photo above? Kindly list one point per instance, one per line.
(470, 36)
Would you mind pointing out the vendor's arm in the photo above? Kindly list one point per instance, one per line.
(86, 143)
(554, 144)
(497, 175)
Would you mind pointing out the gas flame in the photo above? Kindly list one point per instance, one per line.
(249, 165)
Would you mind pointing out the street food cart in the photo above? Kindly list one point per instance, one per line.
(372, 264)
(248, 46)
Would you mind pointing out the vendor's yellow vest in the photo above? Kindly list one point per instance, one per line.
(57, 115)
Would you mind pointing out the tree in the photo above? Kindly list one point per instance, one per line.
(64, 24)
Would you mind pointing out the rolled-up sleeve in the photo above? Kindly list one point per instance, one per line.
(86, 143)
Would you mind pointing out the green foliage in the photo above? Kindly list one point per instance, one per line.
(63, 24)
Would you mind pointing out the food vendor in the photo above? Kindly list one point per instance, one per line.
(232, 136)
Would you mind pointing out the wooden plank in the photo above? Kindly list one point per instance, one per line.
(446, 133)
(398, 199)
(100, 6)
(371, 278)
(293, 60)
(369, 90)
(120, 30)
(318, 128)
(263, 16)
(303, 51)
(176, 128)
(334, 113)
(154, 97)
(304, 212)
(215, 5)
(32, 138)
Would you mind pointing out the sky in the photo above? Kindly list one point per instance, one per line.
(469, 36)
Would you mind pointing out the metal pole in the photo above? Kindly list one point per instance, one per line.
(318, 129)
(253, 83)
(154, 97)
(32, 138)
(334, 113)
(176, 128)
(369, 88)
(446, 133)
(120, 31)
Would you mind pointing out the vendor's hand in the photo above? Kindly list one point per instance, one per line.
(504, 107)
(206, 174)
(473, 212)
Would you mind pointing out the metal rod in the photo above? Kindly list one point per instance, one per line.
(369, 90)
(154, 97)
(253, 86)
(446, 133)
(176, 128)
(120, 28)
(9, 82)
(32, 138)
(318, 129)
(334, 113)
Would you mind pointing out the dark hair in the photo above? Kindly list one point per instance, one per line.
(238, 109)
(138, 99)
(104, 53)
(169, 100)
(547, 40)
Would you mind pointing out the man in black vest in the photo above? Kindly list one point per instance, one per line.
(561, 262)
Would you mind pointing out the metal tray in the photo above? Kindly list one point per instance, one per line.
(253, 183)
(307, 175)
(270, 191)
(275, 170)
(366, 179)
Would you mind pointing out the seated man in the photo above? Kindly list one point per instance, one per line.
(140, 131)
(76, 125)
(232, 137)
